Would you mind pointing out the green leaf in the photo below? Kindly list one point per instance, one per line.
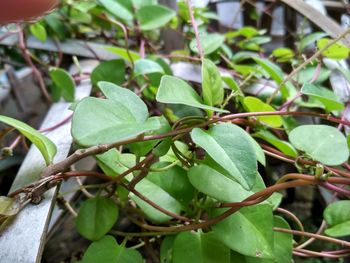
(214, 184)
(337, 216)
(118, 9)
(195, 247)
(174, 181)
(324, 95)
(126, 97)
(337, 51)
(310, 39)
(170, 155)
(243, 55)
(112, 71)
(209, 42)
(231, 148)
(173, 90)
(232, 84)
(248, 231)
(56, 24)
(260, 155)
(107, 250)
(120, 117)
(283, 242)
(322, 143)
(283, 245)
(275, 73)
(63, 80)
(122, 52)
(308, 73)
(166, 249)
(283, 146)
(213, 90)
(147, 66)
(96, 217)
(38, 31)
(274, 200)
(160, 197)
(45, 145)
(77, 17)
(141, 3)
(253, 104)
(283, 54)
(154, 16)
(248, 31)
(101, 251)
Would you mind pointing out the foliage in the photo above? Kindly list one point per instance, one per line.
(185, 162)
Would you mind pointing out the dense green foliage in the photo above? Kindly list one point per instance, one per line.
(185, 160)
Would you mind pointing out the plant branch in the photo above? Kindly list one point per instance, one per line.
(306, 62)
(342, 243)
(98, 149)
(195, 28)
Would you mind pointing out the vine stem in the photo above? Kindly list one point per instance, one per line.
(28, 59)
(310, 253)
(291, 215)
(316, 236)
(195, 28)
(98, 149)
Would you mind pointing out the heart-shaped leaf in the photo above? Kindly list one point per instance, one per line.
(322, 143)
(337, 216)
(45, 145)
(122, 116)
(96, 217)
(229, 146)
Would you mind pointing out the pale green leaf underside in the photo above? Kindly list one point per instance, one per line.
(113, 121)
(322, 143)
